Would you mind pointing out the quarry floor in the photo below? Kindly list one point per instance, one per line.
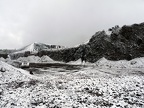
(72, 86)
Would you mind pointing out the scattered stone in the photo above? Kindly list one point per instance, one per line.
(3, 69)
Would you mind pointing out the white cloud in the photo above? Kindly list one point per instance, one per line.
(11, 40)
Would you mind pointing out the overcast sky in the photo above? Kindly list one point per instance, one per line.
(62, 22)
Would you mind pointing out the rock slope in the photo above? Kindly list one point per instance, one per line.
(125, 42)
(32, 49)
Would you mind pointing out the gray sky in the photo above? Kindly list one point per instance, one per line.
(63, 22)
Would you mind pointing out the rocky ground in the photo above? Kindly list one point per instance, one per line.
(92, 86)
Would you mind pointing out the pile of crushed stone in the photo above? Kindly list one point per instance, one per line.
(7, 60)
(134, 63)
(9, 73)
(46, 59)
(35, 59)
(14, 86)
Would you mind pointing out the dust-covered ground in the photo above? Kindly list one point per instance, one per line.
(90, 86)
